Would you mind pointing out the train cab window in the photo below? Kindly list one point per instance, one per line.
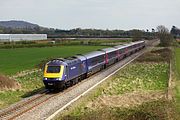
(53, 69)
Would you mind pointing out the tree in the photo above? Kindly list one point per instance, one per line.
(153, 30)
(175, 31)
(136, 35)
(164, 36)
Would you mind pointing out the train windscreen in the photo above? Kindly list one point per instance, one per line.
(53, 69)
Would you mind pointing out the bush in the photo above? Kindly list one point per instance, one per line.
(160, 55)
(164, 35)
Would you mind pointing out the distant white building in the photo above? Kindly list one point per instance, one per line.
(22, 37)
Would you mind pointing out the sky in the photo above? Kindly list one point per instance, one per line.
(98, 14)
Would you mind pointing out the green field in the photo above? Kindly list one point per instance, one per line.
(16, 60)
(177, 52)
(177, 88)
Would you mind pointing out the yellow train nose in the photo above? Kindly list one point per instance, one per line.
(53, 71)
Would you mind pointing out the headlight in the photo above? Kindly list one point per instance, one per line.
(58, 79)
(45, 78)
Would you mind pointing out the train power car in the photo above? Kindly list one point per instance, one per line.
(59, 73)
(54, 73)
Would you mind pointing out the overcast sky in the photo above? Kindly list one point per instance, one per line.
(102, 14)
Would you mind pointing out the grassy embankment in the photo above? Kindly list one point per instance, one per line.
(177, 77)
(137, 92)
(30, 84)
(14, 60)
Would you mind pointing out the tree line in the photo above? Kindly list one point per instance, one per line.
(78, 32)
(161, 31)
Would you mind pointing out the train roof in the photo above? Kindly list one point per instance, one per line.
(55, 62)
(137, 42)
(120, 46)
(64, 61)
(128, 44)
(109, 49)
(133, 43)
(81, 57)
(72, 60)
(93, 54)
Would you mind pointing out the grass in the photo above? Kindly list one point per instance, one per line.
(30, 84)
(177, 56)
(155, 110)
(16, 60)
(137, 77)
(143, 75)
(177, 87)
(9, 97)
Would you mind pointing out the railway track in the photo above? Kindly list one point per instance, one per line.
(47, 104)
(23, 106)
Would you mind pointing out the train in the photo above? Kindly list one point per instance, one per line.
(63, 72)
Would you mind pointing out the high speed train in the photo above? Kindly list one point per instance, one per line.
(62, 72)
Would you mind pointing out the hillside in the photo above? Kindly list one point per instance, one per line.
(17, 24)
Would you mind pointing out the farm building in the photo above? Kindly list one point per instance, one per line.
(22, 37)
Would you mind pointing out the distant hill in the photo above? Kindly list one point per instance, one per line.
(17, 24)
